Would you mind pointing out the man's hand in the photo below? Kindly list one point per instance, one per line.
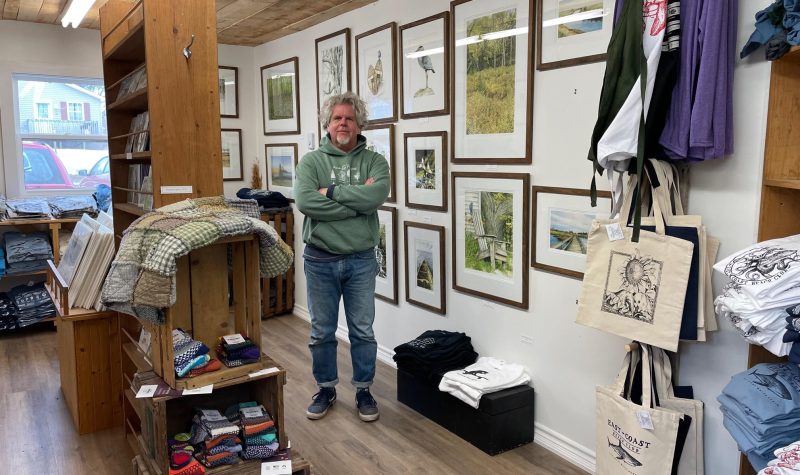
(369, 181)
(323, 191)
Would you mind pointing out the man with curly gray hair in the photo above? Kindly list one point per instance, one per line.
(339, 188)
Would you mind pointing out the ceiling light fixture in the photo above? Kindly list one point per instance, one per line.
(75, 11)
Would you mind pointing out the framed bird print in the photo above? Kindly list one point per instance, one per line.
(491, 89)
(333, 66)
(376, 78)
(425, 67)
(425, 266)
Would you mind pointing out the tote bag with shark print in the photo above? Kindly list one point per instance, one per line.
(632, 438)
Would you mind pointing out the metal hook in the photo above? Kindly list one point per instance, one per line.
(187, 53)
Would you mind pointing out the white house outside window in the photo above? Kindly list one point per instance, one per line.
(75, 111)
(42, 110)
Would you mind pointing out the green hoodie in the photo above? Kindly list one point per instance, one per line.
(348, 222)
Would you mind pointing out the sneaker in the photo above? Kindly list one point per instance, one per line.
(323, 401)
(367, 407)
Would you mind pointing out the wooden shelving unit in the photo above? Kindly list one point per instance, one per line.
(780, 190)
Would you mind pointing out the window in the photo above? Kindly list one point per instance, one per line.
(75, 111)
(62, 132)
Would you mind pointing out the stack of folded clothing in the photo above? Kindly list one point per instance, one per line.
(66, 207)
(181, 460)
(792, 334)
(215, 439)
(27, 208)
(761, 409)
(8, 314)
(487, 375)
(32, 303)
(26, 252)
(191, 356)
(433, 353)
(762, 283)
(238, 354)
(786, 461)
(258, 429)
(2, 261)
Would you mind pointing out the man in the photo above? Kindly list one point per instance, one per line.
(339, 188)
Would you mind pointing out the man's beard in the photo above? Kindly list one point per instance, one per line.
(342, 140)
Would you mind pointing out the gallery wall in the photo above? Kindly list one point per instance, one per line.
(565, 360)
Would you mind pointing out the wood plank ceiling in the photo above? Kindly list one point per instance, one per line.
(239, 22)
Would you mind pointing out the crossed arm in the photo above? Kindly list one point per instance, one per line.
(366, 198)
(313, 204)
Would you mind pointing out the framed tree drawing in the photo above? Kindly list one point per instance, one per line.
(572, 32)
(231, 154)
(425, 269)
(376, 77)
(490, 236)
(426, 170)
(386, 254)
(280, 99)
(228, 92)
(333, 66)
(380, 138)
(425, 67)
(492, 85)
(562, 218)
(281, 164)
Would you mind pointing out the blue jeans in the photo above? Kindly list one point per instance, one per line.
(353, 279)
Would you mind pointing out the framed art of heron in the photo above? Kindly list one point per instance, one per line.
(425, 67)
(376, 72)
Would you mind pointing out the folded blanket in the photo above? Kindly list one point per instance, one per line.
(141, 280)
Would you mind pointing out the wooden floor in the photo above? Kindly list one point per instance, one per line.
(37, 437)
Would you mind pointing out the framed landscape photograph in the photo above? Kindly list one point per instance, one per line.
(380, 139)
(280, 99)
(228, 92)
(386, 254)
(333, 66)
(281, 164)
(490, 236)
(425, 67)
(231, 154)
(376, 78)
(426, 170)
(425, 269)
(492, 86)
(562, 218)
(572, 32)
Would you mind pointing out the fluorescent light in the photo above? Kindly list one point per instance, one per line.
(76, 10)
(426, 52)
(494, 35)
(587, 15)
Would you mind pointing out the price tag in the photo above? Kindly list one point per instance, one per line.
(128, 155)
(213, 415)
(147, 390)
(281, 467)
(204, 390)
(614, 231)
(144, 341)
(176, 190)
(644, 420)
(252, 412)
(264, 372)
(233, 339)
(176, 335)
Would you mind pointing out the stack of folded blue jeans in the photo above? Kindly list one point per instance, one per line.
(26, 252)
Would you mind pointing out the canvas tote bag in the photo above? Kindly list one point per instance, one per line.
(635, 289)
(624, 446)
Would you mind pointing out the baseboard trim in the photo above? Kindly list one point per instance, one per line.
(562, 446)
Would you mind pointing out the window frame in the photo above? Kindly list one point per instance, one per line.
(80, 109)
(36, 114)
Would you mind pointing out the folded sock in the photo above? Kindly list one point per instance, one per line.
(228, 460)
(192, 468)
(182, 371)
(255, 429)
(259, 451)
(265, 438)
(211, 366)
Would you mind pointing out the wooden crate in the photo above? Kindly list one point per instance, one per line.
(277, 293)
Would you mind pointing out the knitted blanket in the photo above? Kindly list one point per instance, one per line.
(141, 280)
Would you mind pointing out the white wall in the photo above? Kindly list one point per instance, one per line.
(566, 360)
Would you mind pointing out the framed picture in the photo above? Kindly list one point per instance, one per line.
(280, 100)
(561, 221)
(426, 170)
(492, 85)
(333, 66)
(376, 80)
(380, 138)
(425, 270)
(386, 254)
(231, 154)
(228, 92)
(490, 236)
(281, 164)
(572, 32)
(425, 67)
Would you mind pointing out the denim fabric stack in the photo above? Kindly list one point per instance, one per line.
(27, 252)
(434, 353)
(32, 303)
(258, 429)
(8, 314)
(27, 208)
(237, 354)
(67, 207)
(215, 439)
(761, 409)
(189, 354)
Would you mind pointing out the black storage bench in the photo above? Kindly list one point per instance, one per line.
(503, 421)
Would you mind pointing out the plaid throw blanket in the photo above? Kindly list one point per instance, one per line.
(141, 280)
